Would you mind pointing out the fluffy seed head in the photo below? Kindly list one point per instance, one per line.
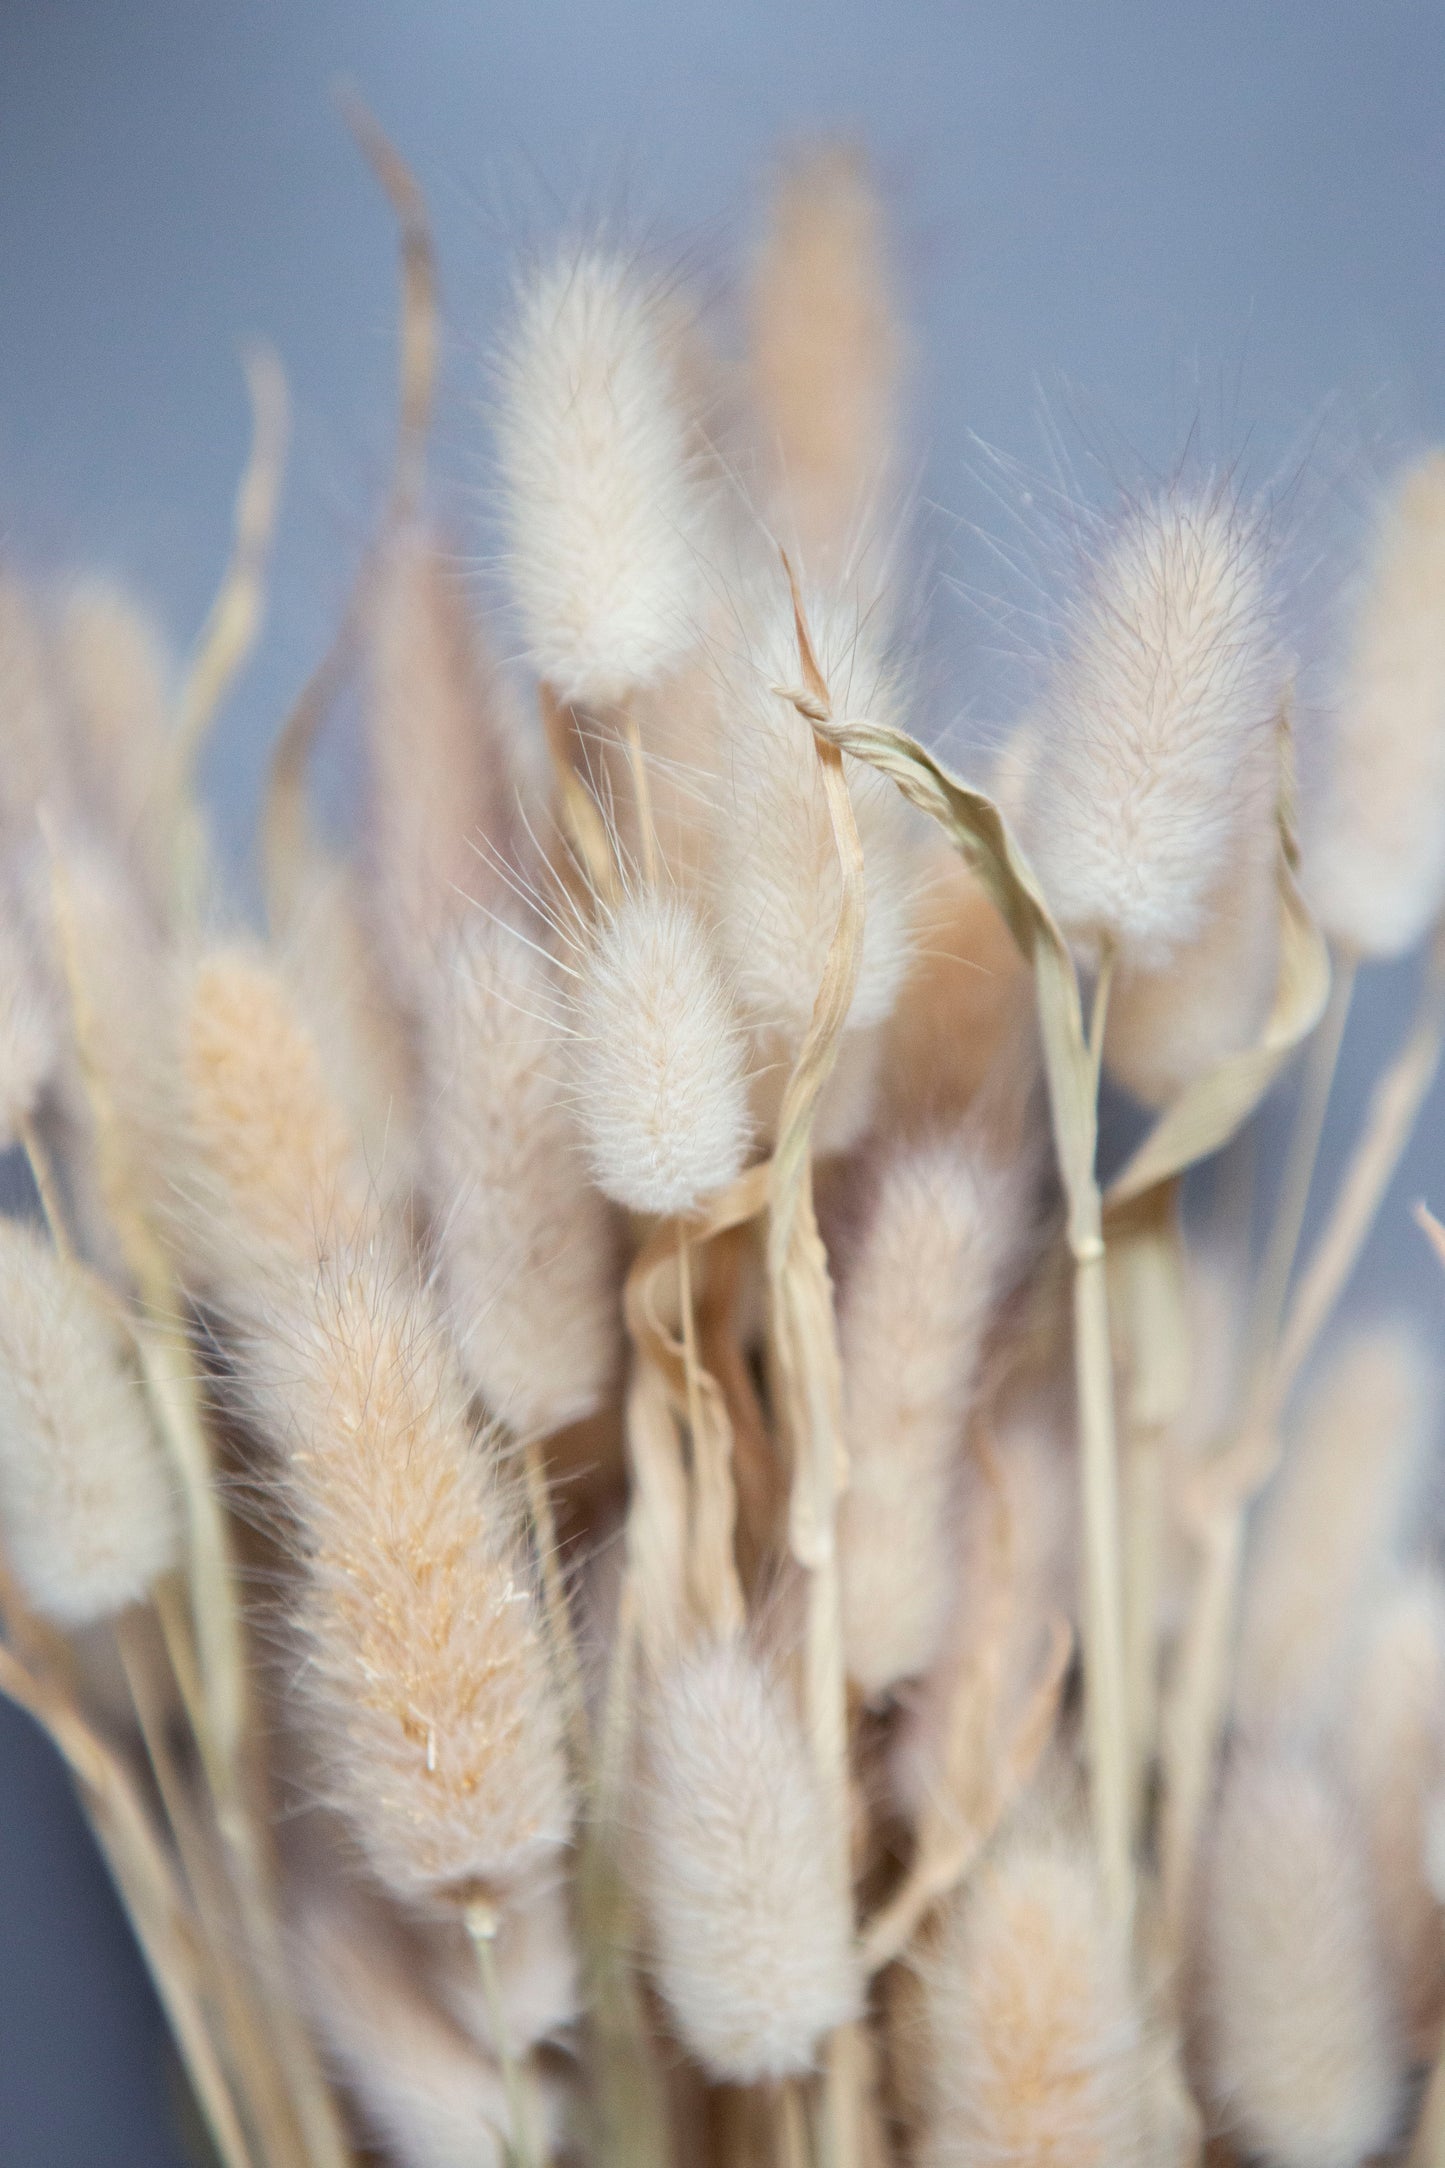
(775, 862)
(424, 1666)
(1294, 2021)
(946, 1229)
(1376, 863)
(524, 1242)
(751, 1939)
(1034, 2035)
(659, 1064)
(29, 1045)
(605, 509)
(85, 1497)
(1157, 720)
(1325, 1531)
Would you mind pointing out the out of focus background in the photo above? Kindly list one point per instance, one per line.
(1122, 231)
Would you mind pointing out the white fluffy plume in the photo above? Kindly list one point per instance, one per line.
(659, 1063)
(1376, 864)
(750, 1935)
(1157, 725)
(606, 510)
(85, 1496)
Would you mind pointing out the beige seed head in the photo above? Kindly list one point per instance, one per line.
(86, 1501)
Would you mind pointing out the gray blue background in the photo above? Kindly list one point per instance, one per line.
(1114, 222)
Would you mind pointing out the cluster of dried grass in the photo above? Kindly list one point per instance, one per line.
(634, 1561)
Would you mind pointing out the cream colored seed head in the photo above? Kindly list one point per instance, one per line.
(525, 1243)
(750, 1936)
(1376, 859)
(86, 1502)
(1294, 2021)
(29, 1038)
(658, 1065)
(775, 863)
(606, 511)
(1156, 728)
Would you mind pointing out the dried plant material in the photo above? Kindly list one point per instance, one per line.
(1168, 1028)
(33, 773)
(440, 776)
(1157, 726)
(1295, 2027)
(826, 348)
(752, 1943)
(425, 2091)
(1377, 856)
(947, 1229)
(606, 506)
(1389, 1738)
(775, 864)
(524, 1243)
(85, 1496)
(29, 1027)
(116, 674)
(424, 1674)
(659, 1063)
(537, 1972)
(1036, 2041)
(1325, 1531)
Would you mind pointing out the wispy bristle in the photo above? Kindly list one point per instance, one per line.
(606, 511)
(658, 1061)
(947, 1228)
(751, 1937)
(85, 1495)
(525, 1246)
(1376, 861)
(1295, 2027)
(1157, 722)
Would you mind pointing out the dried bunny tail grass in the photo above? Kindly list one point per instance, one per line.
(775, 864)
(606, 507)
(1166, 1028)
(424, 1668)
(29, 1027)
(33, 770)
(440, 772)
(946, 1233)
(659, 1065)
(526, 1250)
(86, 1502)
(426, 2092)
(1158, 720)
(538, 1975)
(1036, 2042)
(750, 1936)
(826, 346)
(1325, 1530)
(117, 672)
(1390, 1743)
(1295, 2031)
(267, 1161)
(1376, 861)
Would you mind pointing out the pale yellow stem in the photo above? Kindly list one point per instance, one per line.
(481, 1923)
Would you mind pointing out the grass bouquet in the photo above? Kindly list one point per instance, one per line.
(637, 1559)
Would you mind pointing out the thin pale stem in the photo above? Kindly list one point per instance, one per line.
(1105, 1709)
(562, 1647)
(481, 1921)
(1304, 1146)
(641, 791)
(47, 1188)
(1099, 1014)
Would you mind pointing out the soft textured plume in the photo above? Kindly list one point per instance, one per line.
(1294, 2024)
(606, 507)
(29, 1031)
(1376, 863)
(425, 2091)
(1158, 717)
(947, 1228)
(1390, 1742)
(525, 1246)
(750, 1935)
(115, 670)
(1326, 1529)
(826, 347)
(775, 861)
(439, 770)
(1036, 2042)
(659, 1065)
(424, 1670)
(85, 1496)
